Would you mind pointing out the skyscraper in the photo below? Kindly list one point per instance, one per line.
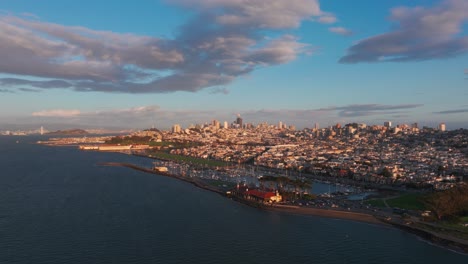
(388, 124)
(239, 121)
(216, 124)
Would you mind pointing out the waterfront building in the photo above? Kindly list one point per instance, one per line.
(256, 195)
(114, 147)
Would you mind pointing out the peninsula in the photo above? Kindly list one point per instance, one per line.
(70, 132)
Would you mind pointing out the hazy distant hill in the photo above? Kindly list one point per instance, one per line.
(69, 132)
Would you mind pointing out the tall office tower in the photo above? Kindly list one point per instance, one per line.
(216, 124)
(388, 124)
(316, 125)
(280, 125)
(225, 126)
(239, 121)
(442, 127)
(176, 128)
(42, 130)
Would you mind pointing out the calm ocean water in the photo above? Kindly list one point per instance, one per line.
(58, 206)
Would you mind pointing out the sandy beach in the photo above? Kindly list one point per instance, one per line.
(348, 215)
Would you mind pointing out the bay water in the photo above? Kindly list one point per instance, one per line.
(57, 205)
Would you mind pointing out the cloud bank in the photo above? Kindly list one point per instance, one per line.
(147, 116)
(362, 110)
(224, 40)
(135, 117)
(456, 111)
(418, 33)
(57, 113)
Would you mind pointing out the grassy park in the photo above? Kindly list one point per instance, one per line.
(409, 201)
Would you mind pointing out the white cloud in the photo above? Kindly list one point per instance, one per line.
(327, 19)
(419, 33)
(199, 56)
(274, 14)
(341, 31)
(57, 113)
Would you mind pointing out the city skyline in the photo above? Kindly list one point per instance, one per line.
(184, 62)
(234, 124)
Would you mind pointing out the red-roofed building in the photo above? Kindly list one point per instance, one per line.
(257, 194)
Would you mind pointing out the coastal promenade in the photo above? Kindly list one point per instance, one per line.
(166, 174)
(329, 212)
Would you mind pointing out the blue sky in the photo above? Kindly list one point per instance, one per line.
(138, 64)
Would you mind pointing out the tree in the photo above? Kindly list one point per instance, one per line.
(440, 168)
(386, 173)
(449, 203)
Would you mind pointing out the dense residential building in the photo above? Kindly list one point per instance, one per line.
(378, 154)
(176, 128)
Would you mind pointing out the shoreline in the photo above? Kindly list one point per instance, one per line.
(331, 213)
(458, 245)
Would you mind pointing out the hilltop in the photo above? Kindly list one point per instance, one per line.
(69, 132)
